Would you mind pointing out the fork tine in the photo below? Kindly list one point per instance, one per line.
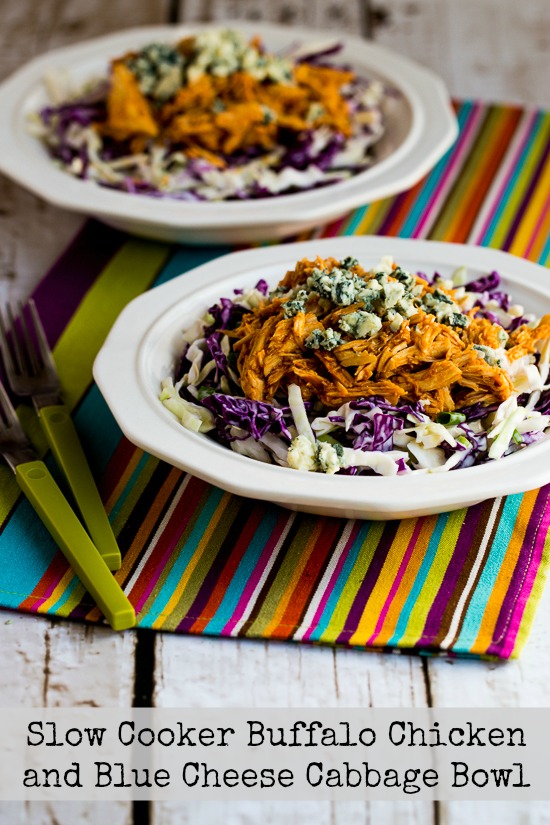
(9, 362)
(29, 347)
(43, 346)
(20, 365)
(7, 413)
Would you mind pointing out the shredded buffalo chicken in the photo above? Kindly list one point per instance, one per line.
(423, 360)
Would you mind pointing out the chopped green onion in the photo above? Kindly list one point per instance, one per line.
(203, 392)
(516, 436)
(328, 438)
(449, 418)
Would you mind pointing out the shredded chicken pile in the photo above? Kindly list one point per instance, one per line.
(424, 360)
(216, 116)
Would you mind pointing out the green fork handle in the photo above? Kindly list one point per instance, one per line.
(53, 508)
(69, 455)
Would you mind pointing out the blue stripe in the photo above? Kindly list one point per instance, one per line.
(183, 559)
(189, 257)
(420, 580)
(482, 593)
(518, 172)
(433, 178)
(243, 572)
(349, 564)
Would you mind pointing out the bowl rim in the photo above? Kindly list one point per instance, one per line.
(433, 129)
(120, 371)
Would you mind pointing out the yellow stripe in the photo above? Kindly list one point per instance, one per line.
(283, 600)
(373, 218)
(408, 580)
(338, 619)
(127, 275)
(537, 202)
(194, 560)
(430, 588)
(130, 501)
(72, 601)
(371, 613)
(540, 239)
(124, 479)
(502, 581)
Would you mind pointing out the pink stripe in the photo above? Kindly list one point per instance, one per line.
(39, 602)
(397, 581)
(333, 229)
(540, 220)
(461, 149)
(332, 583)
(497, 196)
(524, 592)
(255, 577)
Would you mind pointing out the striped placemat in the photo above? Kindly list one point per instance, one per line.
(198, 560)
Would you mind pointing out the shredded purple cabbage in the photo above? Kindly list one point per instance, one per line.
(220, 359)
(226, 315)
(256, 418)
(485, 283)
(543, 405)
(377, 432)
(416, 409)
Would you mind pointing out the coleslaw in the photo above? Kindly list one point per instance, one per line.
(377, 371)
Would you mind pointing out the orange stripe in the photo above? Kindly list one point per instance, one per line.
(475, 192)
(373, 607)
(193, 561)
(407, 582)
(58, 592)
(228, 571)
(504, 577)
(539, 199)
(146, 526)
(538, 241)
(305, 586)
(133, 461)
(401, 214)
(278, 616)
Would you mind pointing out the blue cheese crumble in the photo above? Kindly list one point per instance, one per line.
(295, 305)
(489, 355)
(385, 295)
(446, 311)
(360, 324)
(304, 454)
(221, 53)
(325, 338)
(158, 69)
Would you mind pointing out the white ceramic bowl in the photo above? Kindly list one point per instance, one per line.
(145, 342)
(421, 127)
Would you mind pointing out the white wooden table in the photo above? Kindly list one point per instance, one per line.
(494, 49)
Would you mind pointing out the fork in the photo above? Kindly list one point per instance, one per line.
(31, 371)
(35, 481)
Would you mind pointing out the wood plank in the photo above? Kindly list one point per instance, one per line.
(47, 663)
(31, 28)
(505, 813)
(496, 50)
(297, 813)
(206, 672)
(32, 235)
(209, 672)
(91, 666)
(327, 14)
